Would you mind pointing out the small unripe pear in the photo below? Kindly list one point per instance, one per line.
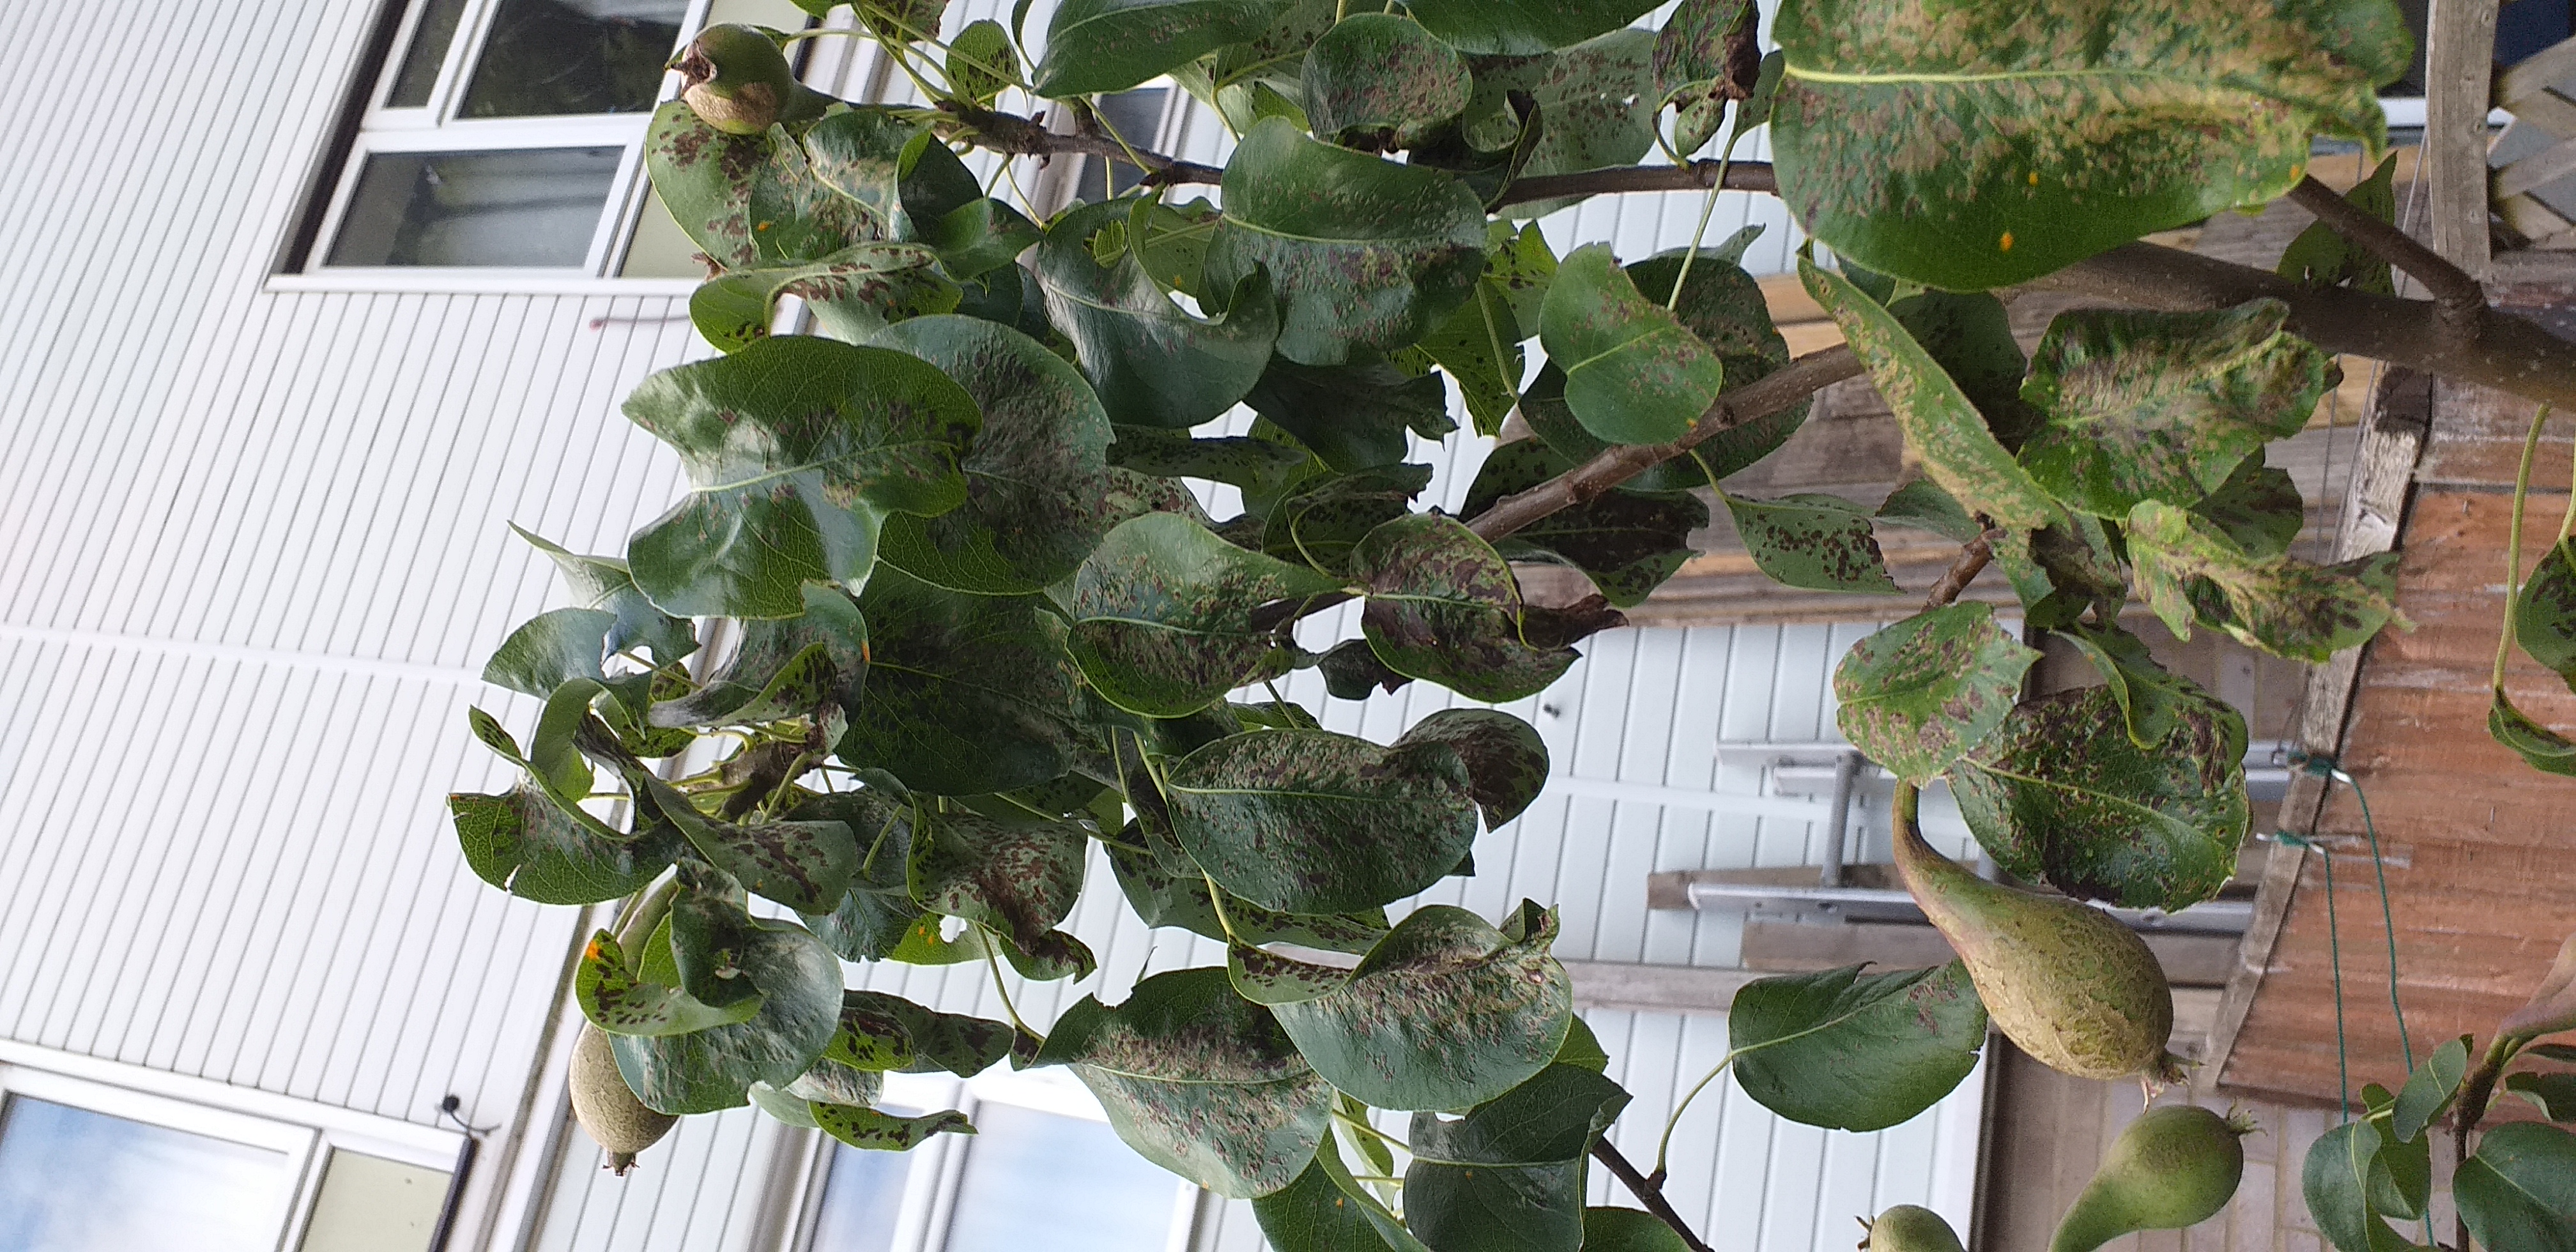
(2175, 1166)
(738, 80)
(604, 1105)
(2068, 984)
(1909, 1228)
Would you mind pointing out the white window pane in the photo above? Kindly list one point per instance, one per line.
(76, 1181)
(552, 58)
(370, 1204)
(524, 207)
(1066, 1184)
(862, 1200)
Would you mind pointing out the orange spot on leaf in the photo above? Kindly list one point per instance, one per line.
(2004, 244)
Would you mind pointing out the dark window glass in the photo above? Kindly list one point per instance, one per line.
(1066, 1184)
(525, 207)
(76, 1181)
(1135, 116)
(420, 64)
(551, 58)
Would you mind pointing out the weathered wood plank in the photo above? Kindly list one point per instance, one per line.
(2459, 52)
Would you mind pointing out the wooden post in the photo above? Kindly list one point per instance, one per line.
(2459, 57)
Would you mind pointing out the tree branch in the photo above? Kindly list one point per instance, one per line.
(1647, 1193)
(2460, 298)
(1696, 176)
(1011, 134)
(1971, 561)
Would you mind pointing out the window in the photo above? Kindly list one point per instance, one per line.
(505, 137)
(99, 1166)
(1042, 1170)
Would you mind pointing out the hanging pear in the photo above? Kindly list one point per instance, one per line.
(2068, 984)
(606, 1107)
(739, 81)
(2175, 1166)
(1909, 1228)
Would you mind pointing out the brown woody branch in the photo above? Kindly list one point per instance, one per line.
(1024, 136)
(2461, 300)
(1647, 1192)
(1971, 562)
(1696, 176)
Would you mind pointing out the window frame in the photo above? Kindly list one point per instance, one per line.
(430, 127)
(307, 1133)
(936, 1170)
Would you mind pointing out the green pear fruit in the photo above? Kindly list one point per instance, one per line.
(2175, 1166)
(738, 80)
(1909, 1228)
(2068, 984)
(604, 1105)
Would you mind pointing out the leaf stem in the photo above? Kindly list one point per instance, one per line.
(1216, 897)
(1361, 1125)
(1648, 1193)
(994, 964)
(1664, 1146)
(1971, 561)
(2513, 544)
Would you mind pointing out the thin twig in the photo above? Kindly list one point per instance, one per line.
(1971, 561)
(1647, 1193)
(2459, 296)
(1021, 136)
(1696, 176)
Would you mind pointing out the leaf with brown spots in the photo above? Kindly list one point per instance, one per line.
(1443, 606)
(1354, 417)
(541, 845)
(797, 448)
(966, 694)
(784, 667)
(805, 865)
(1162, 615)
(1919, 693)
(1446, 1012)
(1382, 72)
(1308, 821)
(1942, 426)
(1506, 760)
(2164, 406)
(1152, 363)
(1521, 27)
(1365, 254)
(2150, 696)
(882, 1032)
(1974, 147)
(1853, 1051)
(885, 1132)
(1168, 895)
(1596, 105)
(1322, 520)
(1199, 1080)
(1818, 542)
(1707, 54)
(622, 1004)
(877, 911)
(2539, 747)
(2060, 794)
(704, 178)
(1016, 878)
(2188, 569)
(2258, 507)
(853, 292)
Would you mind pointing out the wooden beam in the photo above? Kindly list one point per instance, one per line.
(2459, 57)
(1657, 988)
(2398, 422)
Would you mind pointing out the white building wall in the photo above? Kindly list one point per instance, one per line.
(252, 553)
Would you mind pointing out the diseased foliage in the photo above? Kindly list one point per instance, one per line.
(972, 612)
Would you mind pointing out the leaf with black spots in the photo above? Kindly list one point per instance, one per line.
(1942, 425)
(1382, 72)
(1506, 760)
(603, 582)
(1199, 1080)
(980, 62)
(877, 911)
(796, 216)
(623, 1004)
(2150, 696)
(2258, 508)
(1627, 542)
(1444, 1013)
(1919, 693)
(704, 178)
(1321, 521)
(1522, 27)
(1364, 254)
(1164, 895)
(1853, 1051)
(1151, 363)
(883, 1032)
(1017, 878)
(1706, 54)
(785, 667)
(2163, 406)
(1969, 334)
(1355, 417)
(1810, 540)
(1163, 615)
(1443, 606)
(1036, 497)
(1271, 979)
(796, 977)
(805, 865)
(2544, 612)
(1308, 821)
(853, 291)
(1261, 467)
(1510, 1174)
(886, 1132)
(966, 694)
(2189, 570)
(2060, 794)
(797, 448)
(2540, 747)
